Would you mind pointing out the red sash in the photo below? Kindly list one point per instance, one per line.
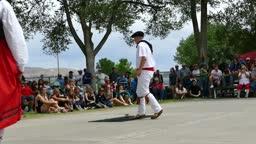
(149, 69)
(10, 87)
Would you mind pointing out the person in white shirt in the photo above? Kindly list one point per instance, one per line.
(145, 64)
(215, 77)
(13, 57)
(196, 71)
(244, 81)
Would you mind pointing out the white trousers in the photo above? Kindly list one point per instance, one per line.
(143, 90)
(1, 135)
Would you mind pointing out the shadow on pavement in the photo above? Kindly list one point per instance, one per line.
(120, 119)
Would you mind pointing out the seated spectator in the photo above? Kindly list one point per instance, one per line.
(109, 91)
(180, 91)
(70, 85)
(215, 77)
(244, 81)
(74, 100)
(157, 88)
(103, 99)
(27, 98)
(79, 94)
(45, 105)
(123, 95)
(195, 90)
(62, 100)
(90, 98)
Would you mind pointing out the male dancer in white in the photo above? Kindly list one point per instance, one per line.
(13, 57)
(145, 64)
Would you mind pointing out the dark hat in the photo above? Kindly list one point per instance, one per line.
(138, 34)
(70, 71)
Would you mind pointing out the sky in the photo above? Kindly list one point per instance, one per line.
(114, 49)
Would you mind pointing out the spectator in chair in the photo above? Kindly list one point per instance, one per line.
(215, 77)
(244, 81)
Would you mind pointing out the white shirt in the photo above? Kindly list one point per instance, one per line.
(196, 72)
(143, 50)
(79, 80)
(216, 75)
(13, 34)
(101, 78)
(243, 79)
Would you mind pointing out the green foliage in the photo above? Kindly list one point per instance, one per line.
(105, 65)
(240, 24)
(219, 49)
(124, 66)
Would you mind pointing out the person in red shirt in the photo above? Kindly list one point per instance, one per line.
(27, 99)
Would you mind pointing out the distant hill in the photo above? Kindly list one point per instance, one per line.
(37, 71)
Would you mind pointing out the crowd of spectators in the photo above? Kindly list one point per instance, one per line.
(235, 78)
(75, 92)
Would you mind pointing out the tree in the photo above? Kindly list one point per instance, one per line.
(240, 23)
(105, 65)
(58, 21)
(172, 14)
(124, 66)
(220, 49)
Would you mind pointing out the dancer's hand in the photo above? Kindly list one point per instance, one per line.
(138, 72)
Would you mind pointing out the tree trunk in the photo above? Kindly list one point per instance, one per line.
(90, 65)
(195, 25)
(204, 22)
